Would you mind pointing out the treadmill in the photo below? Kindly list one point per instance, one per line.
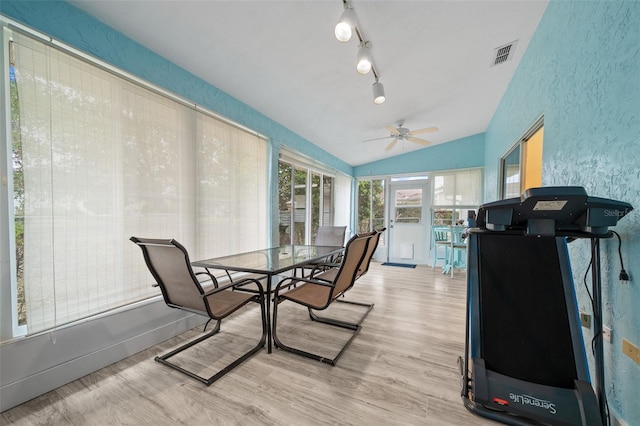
(525, 361)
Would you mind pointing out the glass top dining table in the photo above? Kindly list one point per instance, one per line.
(270, 263)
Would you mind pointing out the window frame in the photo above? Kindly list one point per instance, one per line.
(521, 146)
(313, 170)
(374, 222)
(456, 207)
(504, 176)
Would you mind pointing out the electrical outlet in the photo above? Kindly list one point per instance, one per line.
(606, 333)
(631, 350)
(585, 319)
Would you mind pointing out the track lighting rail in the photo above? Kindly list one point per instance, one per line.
(346, 26)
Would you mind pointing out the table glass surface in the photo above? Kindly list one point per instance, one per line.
(271, 261)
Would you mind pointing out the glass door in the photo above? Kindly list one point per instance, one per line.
(306, 200)
(408, 224)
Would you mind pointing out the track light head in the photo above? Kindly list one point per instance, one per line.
(345, 25)
(365, 60)
(378, 93)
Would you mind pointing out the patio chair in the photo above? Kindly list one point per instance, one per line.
(329, 274)
(371, 249)
(326, 236)
(330, 236)
(319, 295)
(169, 264)
(328, 271)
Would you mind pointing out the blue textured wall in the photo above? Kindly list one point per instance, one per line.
(459, 154)
(582, 71)
(78, 29)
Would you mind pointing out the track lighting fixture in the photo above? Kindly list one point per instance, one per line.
(364, 61)
(378, 93)
(346, 23)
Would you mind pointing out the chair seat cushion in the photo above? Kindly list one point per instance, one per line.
(226, 302)
(308, 294)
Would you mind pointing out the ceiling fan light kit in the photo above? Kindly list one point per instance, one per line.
(347, 24)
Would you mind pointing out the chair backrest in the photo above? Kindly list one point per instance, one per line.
(371, 248)
(330, 236)
(169, 264)
(354, 253)
(441, 234)
(456, 234)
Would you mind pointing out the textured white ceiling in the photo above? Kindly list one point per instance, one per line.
(282, 59)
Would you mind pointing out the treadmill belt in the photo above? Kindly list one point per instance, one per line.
(525, 329)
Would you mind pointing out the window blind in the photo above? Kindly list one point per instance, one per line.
(458, 188)
(98, 159)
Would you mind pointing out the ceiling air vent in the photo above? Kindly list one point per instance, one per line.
(503, 54)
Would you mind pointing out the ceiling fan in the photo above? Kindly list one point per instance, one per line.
(399, 133)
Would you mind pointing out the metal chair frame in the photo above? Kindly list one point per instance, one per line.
(323, 273)
(205, 299)
(325, 236)
(354, 254)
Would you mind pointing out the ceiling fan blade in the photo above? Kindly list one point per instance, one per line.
(377, 139)
(391, 145)
(393, 130)
(425, 130)
(420, 141)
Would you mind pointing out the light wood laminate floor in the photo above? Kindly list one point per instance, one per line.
(400, 370)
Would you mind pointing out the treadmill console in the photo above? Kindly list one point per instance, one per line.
(550, 211)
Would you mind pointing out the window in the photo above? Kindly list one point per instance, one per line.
(97, 159)
(408, 205)
(511, 174)
(521, 167)
(285, 203)
(371, 205)
(299, 205)
(454, 195)
(307, 198)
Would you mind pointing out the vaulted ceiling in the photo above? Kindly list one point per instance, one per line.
(435, 59)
